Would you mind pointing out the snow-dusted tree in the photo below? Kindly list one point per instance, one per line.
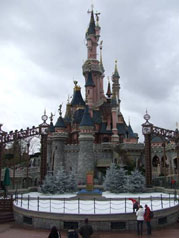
(108, 178)
(60, 183)
(49, 185)
(61, 180)
(115, 180)
(122, 181)
(136, 182)
(71, 185)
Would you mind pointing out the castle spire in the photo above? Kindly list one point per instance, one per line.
(116, 73)
(91, 29)
(109, 89)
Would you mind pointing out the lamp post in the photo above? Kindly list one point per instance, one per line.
(1, 148)
(177, 151)
(44, 134)
(164, 157)
(147, 131)
(27, 172)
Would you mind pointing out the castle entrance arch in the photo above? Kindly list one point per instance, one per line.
(13, 136)
(148, 130)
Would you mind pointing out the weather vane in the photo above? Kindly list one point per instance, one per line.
(92, 6)
(51, 116)
(60, 110)
(97, 16)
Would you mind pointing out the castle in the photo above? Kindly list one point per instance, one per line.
(93, 133)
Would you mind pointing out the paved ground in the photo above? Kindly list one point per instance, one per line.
(12, 230)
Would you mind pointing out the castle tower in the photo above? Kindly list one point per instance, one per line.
(116, 85)
(86, 154)
(58, 143)
(93, 70)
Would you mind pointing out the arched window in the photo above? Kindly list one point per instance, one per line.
(175, 163)
(155, 161)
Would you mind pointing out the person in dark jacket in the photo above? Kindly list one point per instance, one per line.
(86, 230)
(54, 233)
(147, 220)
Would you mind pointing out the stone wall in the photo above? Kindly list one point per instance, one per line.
(105, 222)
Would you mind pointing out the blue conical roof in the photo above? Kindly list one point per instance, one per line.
(91, 28)
(86, 119)
(51, 127)
(60, 122)
(77, 98)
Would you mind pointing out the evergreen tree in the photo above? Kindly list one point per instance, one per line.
(136, 182)
(108, 178)
(60, 183)
(49, 185)
(121, 185)
(71, 185)
(115, 180)
(61, 180)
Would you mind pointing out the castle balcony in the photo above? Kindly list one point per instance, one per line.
(92, 65)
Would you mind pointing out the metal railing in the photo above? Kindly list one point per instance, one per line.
(94, 206)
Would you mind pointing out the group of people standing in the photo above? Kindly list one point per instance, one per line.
(143, 215)
(85, 231)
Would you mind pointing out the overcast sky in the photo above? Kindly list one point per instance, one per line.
(42, 49)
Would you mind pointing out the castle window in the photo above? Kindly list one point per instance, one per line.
(155, 161)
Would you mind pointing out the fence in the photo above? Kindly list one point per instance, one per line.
(165, 182)
(94, 206)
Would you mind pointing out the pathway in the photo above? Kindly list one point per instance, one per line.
(12, 230)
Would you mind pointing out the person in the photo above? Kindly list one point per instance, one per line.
(135, 204)
(173, 183)
(54, 233)
(86, 230)
(140, 220)
(147, 219)
(4, 188)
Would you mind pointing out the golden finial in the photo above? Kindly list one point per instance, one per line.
(76, 88)
(75, 82)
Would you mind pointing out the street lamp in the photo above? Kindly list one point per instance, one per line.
(27, 174)
(44, 134)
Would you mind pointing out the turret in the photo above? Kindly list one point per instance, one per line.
(86, 154)
(115, 80)
(92, 64)
(89, 90)
(108, 94)
(77, 100)
(92, 36)
(59, 138)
